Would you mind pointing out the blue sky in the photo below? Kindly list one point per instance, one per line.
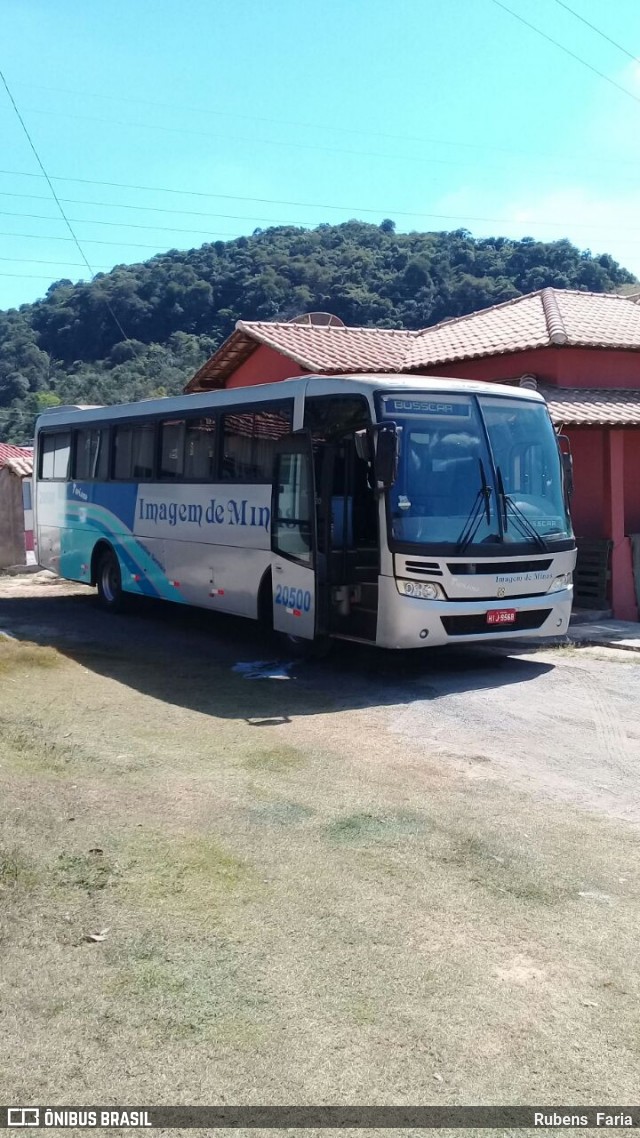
(437, 113)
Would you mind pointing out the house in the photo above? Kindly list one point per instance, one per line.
(16, 517)
(581, 350)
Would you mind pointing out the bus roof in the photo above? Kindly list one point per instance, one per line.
(267, 392)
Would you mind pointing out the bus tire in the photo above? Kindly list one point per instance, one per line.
(109, 581)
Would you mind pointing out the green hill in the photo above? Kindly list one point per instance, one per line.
(177, 307)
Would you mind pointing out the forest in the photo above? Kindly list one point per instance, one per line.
(142, 330)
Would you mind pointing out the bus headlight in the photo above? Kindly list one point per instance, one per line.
(424, 590)
(561, 582)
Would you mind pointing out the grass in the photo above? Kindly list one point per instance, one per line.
(29, 745)
(300, 905)
(282, 758)
(19, 655)
(88, 871)
(193, 872)
(16, 870)
(364, 828)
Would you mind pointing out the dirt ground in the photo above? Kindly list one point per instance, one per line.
(386, 879)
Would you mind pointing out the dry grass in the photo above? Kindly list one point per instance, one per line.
(21, 657)
(325, 914)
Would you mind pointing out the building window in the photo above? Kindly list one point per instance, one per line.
(54, 456)
(133, 452)
(91, 457)
(249, 441)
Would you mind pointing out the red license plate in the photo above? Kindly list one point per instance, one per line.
(501, 616)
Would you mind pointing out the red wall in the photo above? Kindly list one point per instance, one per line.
(632, 481)
(587, 504)
(564, 367)
(265, 365)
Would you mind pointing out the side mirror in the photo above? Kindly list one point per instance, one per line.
(386, 455)
(566, 457)
(364, 445)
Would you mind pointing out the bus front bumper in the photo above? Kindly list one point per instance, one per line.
(410, 622)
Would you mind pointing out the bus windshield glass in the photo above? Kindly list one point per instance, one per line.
(475, 470)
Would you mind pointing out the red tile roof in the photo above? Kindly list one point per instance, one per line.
(318, 348)
(593, 407)
(547, 318)
(19, 460)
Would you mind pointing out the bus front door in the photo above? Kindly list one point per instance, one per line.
(294, 539)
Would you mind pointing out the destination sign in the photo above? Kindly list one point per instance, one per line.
(427, 405)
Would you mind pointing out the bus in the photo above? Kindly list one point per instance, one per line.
(397, 511)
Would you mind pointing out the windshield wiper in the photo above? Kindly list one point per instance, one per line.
(520, 519)
(481, 503)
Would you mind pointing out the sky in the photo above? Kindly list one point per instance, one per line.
(165, 125)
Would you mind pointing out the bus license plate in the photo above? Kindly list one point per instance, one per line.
(501, 616)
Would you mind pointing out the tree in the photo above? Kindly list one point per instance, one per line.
(177, 307)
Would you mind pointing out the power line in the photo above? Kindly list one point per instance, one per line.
(209, 194)
(209, 111)
(384, 212)
(568, 51)
(58, 264)
(55, 197)
(87, 241)
(29, 276)
(117, 224)
(269, 220)
(275, 121)
(311, 126)
(598, 31)
(150, 208)
(252, 141)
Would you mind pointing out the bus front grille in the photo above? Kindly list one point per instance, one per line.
(472, 625)
(458, 569)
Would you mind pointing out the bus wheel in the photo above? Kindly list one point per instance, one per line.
(109, 581)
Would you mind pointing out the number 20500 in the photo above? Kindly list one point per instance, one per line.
(293, 598)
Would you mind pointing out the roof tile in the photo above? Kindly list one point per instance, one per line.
(19, 460)
(593, 407)
(548, 318)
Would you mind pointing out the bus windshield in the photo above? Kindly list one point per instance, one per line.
(475, 470)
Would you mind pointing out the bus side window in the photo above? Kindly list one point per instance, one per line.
(330, 415)
(200, 449)
(133, 456)
(171, 465)
(54, 456)
(90, 455)
(249, 441)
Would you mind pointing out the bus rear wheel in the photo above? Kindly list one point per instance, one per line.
(109, 581)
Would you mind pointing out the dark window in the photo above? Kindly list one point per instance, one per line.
(293, 521)
(249, 441)
(328, 416)
(133, 452)
(200, 449)
(91, 457)
(54, 456)
(172, 449)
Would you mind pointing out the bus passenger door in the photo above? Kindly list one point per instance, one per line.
(294, 538)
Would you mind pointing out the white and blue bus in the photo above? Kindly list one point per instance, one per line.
(403, 512)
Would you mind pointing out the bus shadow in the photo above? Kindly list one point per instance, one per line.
(186, 657)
